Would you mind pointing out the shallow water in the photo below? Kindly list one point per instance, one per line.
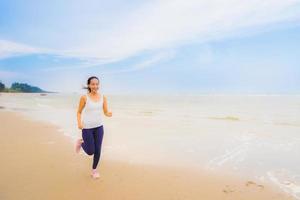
(256, 136)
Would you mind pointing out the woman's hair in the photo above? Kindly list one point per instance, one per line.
(89, 81)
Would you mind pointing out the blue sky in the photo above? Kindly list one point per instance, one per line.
(165, 46)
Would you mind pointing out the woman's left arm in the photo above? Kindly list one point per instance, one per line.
(105, 109)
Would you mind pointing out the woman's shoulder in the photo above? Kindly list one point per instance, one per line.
(83, 97)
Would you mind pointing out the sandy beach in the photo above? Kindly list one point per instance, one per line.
(38, 162)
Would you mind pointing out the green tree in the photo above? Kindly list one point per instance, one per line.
(24, 87)
(2, 86)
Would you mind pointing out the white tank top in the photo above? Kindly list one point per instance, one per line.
(92, 113)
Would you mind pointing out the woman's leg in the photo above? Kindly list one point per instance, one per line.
(88, 141)
(98, 137)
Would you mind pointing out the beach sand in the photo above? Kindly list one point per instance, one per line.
(39, 162)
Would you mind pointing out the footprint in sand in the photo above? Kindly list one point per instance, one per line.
(227, 190)
(249, 183)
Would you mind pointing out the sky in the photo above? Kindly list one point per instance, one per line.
(166, 46)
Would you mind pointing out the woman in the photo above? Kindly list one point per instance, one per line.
(93, 104)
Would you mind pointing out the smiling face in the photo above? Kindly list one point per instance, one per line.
(94, 85)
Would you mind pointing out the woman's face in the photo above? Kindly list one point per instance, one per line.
(94, 85)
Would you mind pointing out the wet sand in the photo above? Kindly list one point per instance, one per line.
(39, 162)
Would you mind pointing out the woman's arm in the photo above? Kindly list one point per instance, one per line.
(80, 108)
(105, 109)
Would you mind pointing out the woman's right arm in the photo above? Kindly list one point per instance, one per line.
(79, 111)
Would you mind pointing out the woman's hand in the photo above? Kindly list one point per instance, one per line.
(108, 114)
(80, 126)
(105, 107)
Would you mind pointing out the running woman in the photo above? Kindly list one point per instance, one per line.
(92, 104)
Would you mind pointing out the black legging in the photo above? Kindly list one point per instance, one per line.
(92, 142)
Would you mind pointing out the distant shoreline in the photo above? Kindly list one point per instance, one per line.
(17, 87)
(27, 92)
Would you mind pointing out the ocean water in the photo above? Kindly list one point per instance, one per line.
(256, 136)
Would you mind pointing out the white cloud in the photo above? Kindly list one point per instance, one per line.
(158, 25)
(173, 22)
(158, 57)
(8, 49)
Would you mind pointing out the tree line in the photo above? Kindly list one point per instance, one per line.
(20, 87)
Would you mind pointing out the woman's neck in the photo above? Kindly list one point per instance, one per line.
(93, 93)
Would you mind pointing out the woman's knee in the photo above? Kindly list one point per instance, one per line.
(90, 151)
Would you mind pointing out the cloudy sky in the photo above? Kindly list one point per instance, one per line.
(166, 46)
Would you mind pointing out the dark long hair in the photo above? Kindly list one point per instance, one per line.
(89, 81)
